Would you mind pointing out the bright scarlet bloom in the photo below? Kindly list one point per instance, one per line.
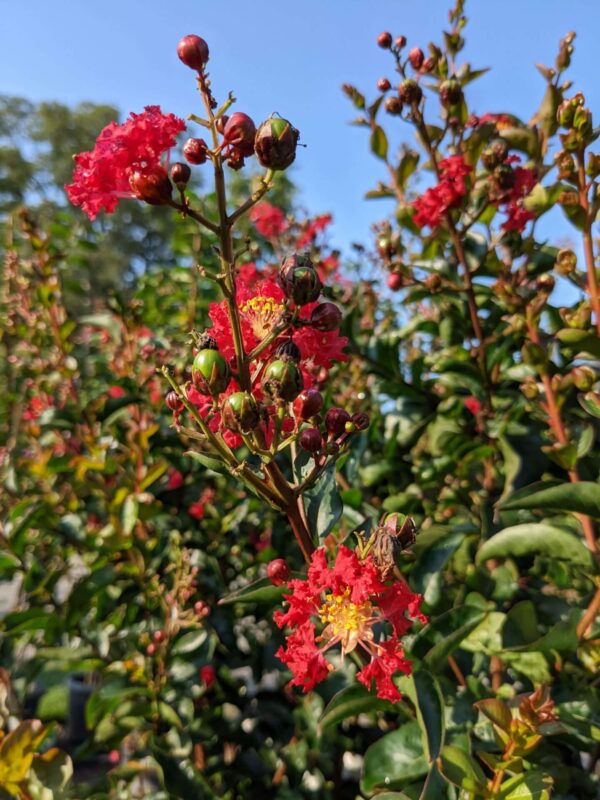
(436, 201)
(101, 176)
(268, 220)
(346, 601)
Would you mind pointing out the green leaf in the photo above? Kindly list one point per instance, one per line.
(461, 769)
(351, 701)
(182, 782)
(496, 711)
(323, 503)
(424, 692)
(379, 143)
(470, 616)
(427, 577)
(189, 642)
(394, 760)
(580, 340)
(535, 539)
(590, 402)
(129, 514)
(530, 786)
(105, 321)
(207, 461)
(260, 591)
(579, 498)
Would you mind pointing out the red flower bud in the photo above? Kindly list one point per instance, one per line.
(201, 608)
(383, 84)
(208, 676)
(151, 649)
(278, 572)
(195, 151)
(335, 421)
(159, 636)
(173, 402)
(395, 281)
(153, 188)
(180, 174)
(275, 143)
(221, 122)
(361, 421)
(310, 439)
(239, 132)
(384, 40)
(308, 404)
(325, 317)
(429, 64)
(416, 58)
(393, 105)
(400, 42)
(193, 51)
(410, 92)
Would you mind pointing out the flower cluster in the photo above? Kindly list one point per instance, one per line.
(517, 215)
(103, 175)
(346, 602)
(431, 208)
(268, 220)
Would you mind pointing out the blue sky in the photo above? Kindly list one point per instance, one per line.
(291, 58)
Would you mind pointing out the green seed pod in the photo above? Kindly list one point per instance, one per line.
(210, 372)
(240, 413)
(282, 380)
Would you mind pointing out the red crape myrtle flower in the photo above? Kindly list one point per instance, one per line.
(346, 601)
(517, 215)
(268, 220)
(101, 176)
(436, 201)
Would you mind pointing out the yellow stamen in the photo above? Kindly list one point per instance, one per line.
(346, 621)
(263, 314)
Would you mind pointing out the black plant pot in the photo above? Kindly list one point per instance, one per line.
(80, 688)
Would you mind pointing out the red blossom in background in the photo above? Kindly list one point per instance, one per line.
(472, 404)
(438, 200)
(101, 176)
(268, 220)
(312, 229)
(346, 601)
(517, 215)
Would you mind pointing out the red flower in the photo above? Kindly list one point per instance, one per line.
(268, 220)
(518, 215)
(208, 675)
(473, 405)
(101, 176)
(36, 406)
(116, 391)
(348, 600)
(499, 120)
(312, 229)
(431, 208)
(175, 479)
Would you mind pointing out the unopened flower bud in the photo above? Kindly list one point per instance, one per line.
(433, 282)
(400, 42)
(565, 113)
(240, 132)
(153, 188)
(325, 317)
(310, 439)
(361, 421)
(308, 404)
(195, 151)
(566, 262)
(393, 105)
(289, 351)
(275, 143)
(240, 413)
(584, 378)
(151, 649)
(395, 281)
(299, 279)
(384, 40)
(451, 93)
(429, 64)
(180, 175)
(566, 164)
(159, 636)
(210, 372)
(221, 122)
(282, 380)
(593, 166)
(383, 84)
(208, 676)
(416, 58)
(278, 572)
(582, 121)
(530, 389)
(495, 154)
(193, 51)
(410, 92)
(173, 402)
(335, 421)
(201, 609)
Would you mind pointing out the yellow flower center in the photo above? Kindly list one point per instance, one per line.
(346, 621)
(263, 313)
